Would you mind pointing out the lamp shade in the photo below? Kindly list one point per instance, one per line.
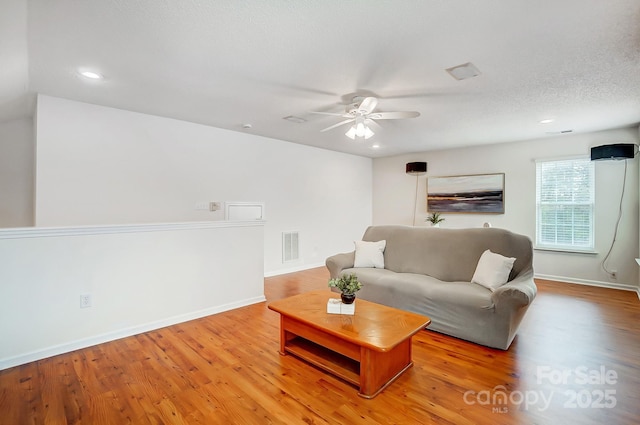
(416, 168)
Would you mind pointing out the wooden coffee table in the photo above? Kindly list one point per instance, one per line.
(369, 349)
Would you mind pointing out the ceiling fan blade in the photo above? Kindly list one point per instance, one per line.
(337, 125)
(367, 105)
(333, 114)
(372, 123)
(393, 115)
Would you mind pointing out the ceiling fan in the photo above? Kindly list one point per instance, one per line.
(361, 114)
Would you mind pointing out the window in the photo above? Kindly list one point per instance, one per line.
(565, 204)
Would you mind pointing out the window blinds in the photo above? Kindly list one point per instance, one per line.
(565, 204)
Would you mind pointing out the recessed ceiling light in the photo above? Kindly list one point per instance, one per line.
(375, 146)
(546, 121)
(91, 75)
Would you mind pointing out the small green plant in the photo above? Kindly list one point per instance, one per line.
(435, 218)
(346, 284)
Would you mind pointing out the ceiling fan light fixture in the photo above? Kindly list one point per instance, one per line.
(362, 114)
(368, 132)
(351, 133)
(359, 131)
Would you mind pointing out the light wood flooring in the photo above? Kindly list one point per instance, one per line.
(576, 360)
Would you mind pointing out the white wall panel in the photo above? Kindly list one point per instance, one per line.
(99, 165)
(139, 277)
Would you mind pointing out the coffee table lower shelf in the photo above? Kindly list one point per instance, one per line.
(325, 359)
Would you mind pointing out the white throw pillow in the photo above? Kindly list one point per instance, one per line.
(492, 270)
(370, 254)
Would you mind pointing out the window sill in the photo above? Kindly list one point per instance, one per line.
(566, 250)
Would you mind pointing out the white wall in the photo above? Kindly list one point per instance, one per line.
(17, 153)
(394, 191)
(139, 278)
(99, 165)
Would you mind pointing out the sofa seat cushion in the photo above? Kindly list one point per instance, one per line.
(463, 309)
(407, 289)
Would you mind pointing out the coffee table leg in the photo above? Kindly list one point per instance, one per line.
(283, 336)
(379, 369)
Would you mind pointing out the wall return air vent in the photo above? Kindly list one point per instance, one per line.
(290, 247)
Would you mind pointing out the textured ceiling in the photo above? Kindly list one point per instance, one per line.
(227, 63)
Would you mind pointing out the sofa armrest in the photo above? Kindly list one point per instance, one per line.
(337, 263)
(519, 292)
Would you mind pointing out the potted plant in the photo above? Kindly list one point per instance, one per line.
(435, 219)
(348, 286)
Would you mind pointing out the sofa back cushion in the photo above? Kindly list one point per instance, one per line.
(448, 254)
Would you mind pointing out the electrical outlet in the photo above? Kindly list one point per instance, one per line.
(214, 206)
(614, 274)
(85, 300)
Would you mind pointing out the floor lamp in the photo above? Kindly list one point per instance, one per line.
(416, 169)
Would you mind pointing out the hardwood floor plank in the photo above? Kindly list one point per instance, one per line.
(226, 369)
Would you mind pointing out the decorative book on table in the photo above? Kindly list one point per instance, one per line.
(335, 306)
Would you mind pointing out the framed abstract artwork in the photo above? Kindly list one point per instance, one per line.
(476, 193)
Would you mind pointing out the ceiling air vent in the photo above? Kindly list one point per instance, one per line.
(293, 118)
(559, 132)
(290, 247)
(464, 71)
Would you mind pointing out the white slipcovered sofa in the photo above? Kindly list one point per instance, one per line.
(429, 271)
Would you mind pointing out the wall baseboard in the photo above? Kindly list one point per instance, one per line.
(586, 282)
(122, 333)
